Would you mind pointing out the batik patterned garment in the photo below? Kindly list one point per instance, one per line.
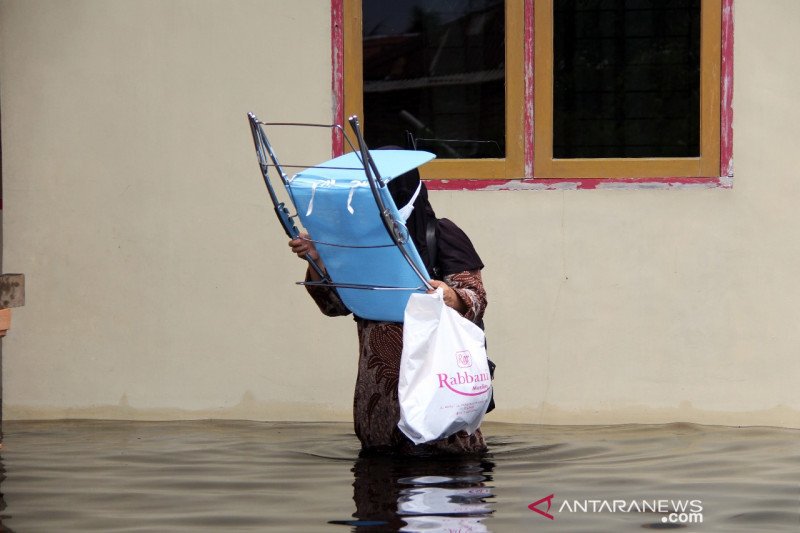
(376, 409)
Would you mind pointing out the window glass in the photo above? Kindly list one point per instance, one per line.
(626, 78)
(434, 76)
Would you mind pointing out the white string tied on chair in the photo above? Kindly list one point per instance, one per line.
(353, 185)
(324, 183)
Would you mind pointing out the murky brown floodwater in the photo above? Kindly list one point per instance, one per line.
(248, 476)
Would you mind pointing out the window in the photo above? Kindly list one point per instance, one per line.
(446, 77)
(627, 88)
(614, 88)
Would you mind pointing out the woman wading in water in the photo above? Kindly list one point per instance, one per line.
(457, 270)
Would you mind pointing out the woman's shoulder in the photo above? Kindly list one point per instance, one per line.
(445, 224)
(451, 232)
(456, 251)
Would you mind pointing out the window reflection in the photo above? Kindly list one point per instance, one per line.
(434, 76)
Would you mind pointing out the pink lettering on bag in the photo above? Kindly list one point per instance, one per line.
(462, 378)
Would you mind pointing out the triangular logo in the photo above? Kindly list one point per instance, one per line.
(546, 514)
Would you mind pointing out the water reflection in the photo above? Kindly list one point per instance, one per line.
(197, 476)
(3, 528)
(421, 494)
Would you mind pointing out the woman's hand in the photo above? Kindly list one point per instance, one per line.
(451, 298)
(304, 248)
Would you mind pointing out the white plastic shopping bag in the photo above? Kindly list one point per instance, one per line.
(445, 385)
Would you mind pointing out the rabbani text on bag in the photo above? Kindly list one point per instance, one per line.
(445, 384)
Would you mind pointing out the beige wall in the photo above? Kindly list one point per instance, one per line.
(159, 285)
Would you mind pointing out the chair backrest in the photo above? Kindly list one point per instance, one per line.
(337, 207)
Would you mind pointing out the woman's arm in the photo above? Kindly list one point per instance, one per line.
(464, 292)
(326, 298)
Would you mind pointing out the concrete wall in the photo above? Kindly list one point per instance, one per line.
(159, 285)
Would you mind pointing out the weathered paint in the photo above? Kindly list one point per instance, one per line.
(726, 73)
(529, 182)
(548, 184)
(528, 58)
(337, 78)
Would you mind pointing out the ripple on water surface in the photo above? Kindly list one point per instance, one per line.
(249, 476)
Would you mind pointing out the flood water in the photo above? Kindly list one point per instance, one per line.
(115, 476)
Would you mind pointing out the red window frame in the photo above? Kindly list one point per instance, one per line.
(529, 181)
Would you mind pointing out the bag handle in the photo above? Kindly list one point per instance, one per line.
(431, 244)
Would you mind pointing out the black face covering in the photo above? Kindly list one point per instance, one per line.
(454, 251)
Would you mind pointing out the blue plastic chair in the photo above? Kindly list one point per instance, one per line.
(350, 216)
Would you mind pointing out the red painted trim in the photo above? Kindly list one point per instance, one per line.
(528, 58)
(542, 184)
(337, 74)
(726, 78)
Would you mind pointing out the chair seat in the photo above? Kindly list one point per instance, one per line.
(339, 211)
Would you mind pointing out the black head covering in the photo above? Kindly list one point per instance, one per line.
(454, 251)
